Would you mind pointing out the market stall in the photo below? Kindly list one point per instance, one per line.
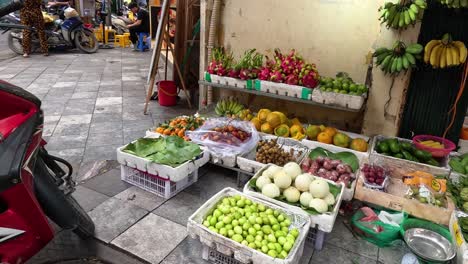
(297, 174)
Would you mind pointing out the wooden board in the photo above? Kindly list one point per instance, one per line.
(438, 215)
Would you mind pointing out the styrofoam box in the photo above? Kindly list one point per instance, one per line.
(324, 222)
(343, 100)
(228, 161)
(242, 253)
(234, 82)
(164, 171)
(459, 240)
(283, 89)
(154, 184)
(249, 164)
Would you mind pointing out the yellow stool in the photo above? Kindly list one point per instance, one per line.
(119, 40)
(98, 33)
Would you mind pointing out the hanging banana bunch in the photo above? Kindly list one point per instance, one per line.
(402, 14)
(400, 58)
(445, 52)
(455, 3)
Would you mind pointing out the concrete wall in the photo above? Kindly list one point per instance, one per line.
(337, 35)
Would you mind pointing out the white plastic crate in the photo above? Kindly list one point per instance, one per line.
(154, 184)
(459, 240)
(284, 89)
(163, 171)
(323, 222)
(234, 82)
(249, 164)
(337, 99)
(239, 252)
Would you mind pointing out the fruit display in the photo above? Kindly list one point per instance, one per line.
(229, 107)
(289, 69)
(374, 175)
(445, 52)
(459, 164)
(330, 135)
(399, 58)
(330, 169)
(254, 225)
(228, 135)
(404, 150)
(426, 188)
(342, 84)
(248, 66)
(269, 151)
(278, 124)
(179, 125)
(290, 185)
(402, 14)
(455, 3)
(220, 62)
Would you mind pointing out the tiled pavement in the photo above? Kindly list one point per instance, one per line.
(93, 104)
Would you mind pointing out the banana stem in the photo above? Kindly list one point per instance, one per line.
(447, 38)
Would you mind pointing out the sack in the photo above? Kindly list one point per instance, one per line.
(223, 144)
(70, 12)
(367, 230)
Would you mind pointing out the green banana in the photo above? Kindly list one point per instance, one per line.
(410, 58)
(415, 48)
(405, 62)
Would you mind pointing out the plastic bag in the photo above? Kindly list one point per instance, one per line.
(376, 232)
(224, 144)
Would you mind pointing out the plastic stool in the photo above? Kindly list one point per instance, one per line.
(119, 40)
(127, 38)
(142, 44)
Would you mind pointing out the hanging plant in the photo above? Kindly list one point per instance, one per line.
(399, 58)
(455, 3)
(401, 15)
(445, 52)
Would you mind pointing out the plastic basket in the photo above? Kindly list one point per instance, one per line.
(449, 146)
(316, 237)
(155, 184)
(214, 256)
(419, 223)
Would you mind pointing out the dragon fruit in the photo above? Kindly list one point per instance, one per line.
(233, 73)
(244, 74)
(292, 79)
(309, 81)
(264, 74)
(276, 76)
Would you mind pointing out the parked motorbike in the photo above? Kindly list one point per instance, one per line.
(32, 183)
(64, 34)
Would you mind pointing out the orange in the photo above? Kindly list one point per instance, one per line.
(324, 137)
(330, 131)
(359, 144)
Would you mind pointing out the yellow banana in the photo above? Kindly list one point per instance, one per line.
(462, 50)
(448, 55)
(455, 55)
(428, 49)
(443, 58)
(435, 55)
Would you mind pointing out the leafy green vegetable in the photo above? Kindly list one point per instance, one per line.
(171, 151)
(335, 190)
(346, 157)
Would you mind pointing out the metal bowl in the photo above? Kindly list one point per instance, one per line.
(429, 245)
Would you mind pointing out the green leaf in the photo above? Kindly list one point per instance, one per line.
(348, 158)
(253, 185)
(320, 152)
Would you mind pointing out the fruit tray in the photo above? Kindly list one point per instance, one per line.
(234, 82)
(249, 164)
(242, 253)
(460, 243)
(283, 89)
(163, 171)
(338, 99)
(392, 163)
(324, 222)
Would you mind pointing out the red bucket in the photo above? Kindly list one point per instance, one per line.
(167, 93)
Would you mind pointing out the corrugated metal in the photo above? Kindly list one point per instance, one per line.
(432, 92)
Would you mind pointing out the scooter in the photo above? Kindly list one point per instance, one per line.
(65, 34)
(33, 186)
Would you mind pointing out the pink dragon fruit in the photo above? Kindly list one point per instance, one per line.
(309, 81)
(212, 67)
(264, 74)
(292, 79)
(276, 76)
(233, 73)
(244, 74)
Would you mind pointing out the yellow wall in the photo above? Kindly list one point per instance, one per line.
(337, 35)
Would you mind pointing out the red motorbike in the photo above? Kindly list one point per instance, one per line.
(33, 186)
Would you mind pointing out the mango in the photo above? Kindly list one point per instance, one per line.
(273, 119)
(341, 140)
(359, 144)
(312, 132)
(266, 128)
(262, 114)
(296, 129)
(256, 122)
(282, 116)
